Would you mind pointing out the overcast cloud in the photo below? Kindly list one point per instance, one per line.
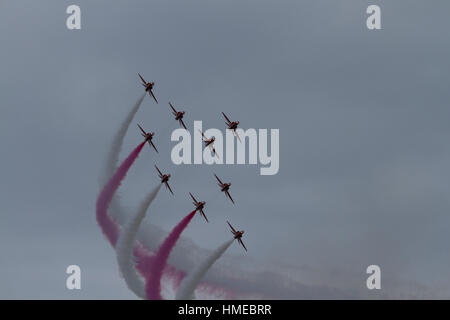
(363, 118)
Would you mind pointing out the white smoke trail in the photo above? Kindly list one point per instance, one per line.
(126, 243)
(187, 287)
(117, 142)
(248, 277)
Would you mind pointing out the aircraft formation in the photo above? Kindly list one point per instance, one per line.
(209, 142)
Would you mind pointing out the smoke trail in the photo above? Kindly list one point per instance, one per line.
(117, 142)
(187, 287)
(125, 245)
(111, 221)
(246, 278)
(108, 226)
(117, 216)
(153, 285)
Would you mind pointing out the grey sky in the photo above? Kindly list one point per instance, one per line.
(363, 118)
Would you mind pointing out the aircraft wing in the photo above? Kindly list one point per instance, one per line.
(215, 153)
(143, 131)
(142, 79)
(168, 187)
(228, 120)
(202, 135)
(229, 196)
(151, 143)
(182, 123)
(218, 179)
(213, 150)
(242, 243)
(237, 136)
(204, 215)
(193, 198)
(151, 92)
(172, 108)
(231, 227)
(159, 171)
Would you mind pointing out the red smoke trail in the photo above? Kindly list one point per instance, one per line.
(109, 227)
(153, 283)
